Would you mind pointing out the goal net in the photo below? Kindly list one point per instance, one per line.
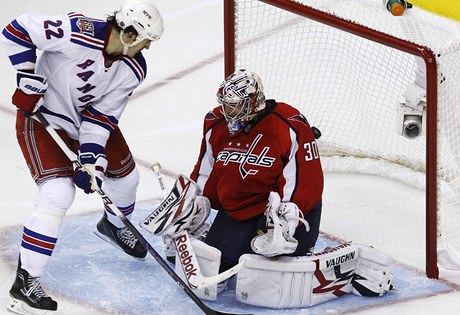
(384, 90)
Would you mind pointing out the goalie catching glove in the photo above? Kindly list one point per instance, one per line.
(182, 210)
(282, 221)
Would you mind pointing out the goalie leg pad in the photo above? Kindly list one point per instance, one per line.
(208, 258)
(372, 275)
(290, 282)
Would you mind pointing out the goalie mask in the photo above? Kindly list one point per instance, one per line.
(241, 96)
(144, 17)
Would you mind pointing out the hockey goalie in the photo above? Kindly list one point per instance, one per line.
(260, 168)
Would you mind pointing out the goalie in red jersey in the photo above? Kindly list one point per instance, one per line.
(251, 147)
(260, 169)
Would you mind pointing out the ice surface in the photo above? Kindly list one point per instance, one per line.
(163, 123)
(84, 268)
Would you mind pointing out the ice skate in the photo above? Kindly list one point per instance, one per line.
(28, 297)
(120, 237)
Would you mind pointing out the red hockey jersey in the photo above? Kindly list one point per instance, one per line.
(276, 153)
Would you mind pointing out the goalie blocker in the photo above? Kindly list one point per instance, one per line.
(181, 210)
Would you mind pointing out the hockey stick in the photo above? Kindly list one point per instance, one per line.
(73, 158)
(156, 168)
(195, 279)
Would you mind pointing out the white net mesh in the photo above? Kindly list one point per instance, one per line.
(350, 87)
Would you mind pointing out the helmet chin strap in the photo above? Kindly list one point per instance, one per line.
(125, 45)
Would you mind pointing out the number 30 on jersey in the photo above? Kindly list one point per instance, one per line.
(311, 151)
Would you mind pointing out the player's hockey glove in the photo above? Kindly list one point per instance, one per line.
(91, 175)
(30, 89)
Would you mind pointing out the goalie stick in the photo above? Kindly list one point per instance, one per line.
(73, 158)
(190, 266)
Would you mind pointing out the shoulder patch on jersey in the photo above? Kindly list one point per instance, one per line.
(299, 118)
(87, 31)
(85, 26)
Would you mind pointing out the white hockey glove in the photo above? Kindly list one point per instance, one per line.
(282, 221)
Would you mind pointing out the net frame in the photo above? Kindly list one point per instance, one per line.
(429, 58)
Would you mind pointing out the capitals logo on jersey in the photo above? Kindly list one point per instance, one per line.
(247, 159)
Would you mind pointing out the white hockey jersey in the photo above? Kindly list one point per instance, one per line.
(88, 91)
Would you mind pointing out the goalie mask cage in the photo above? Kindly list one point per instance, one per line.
(345, 65)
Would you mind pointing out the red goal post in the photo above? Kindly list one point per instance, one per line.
(265, 36)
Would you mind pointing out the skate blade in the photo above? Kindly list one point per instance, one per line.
(114, 244)
(20, 307)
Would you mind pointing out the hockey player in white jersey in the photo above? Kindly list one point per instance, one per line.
(81, 83)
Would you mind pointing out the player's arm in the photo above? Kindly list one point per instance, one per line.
(95, 129)
(99, 120)
(301, 181)
(22, 37)
(31, 32)
(203, 173)
(102, 116)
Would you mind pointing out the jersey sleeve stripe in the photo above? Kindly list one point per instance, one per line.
(290, 173)
(139, 72)
(29, 55)
(46, 111)
(95, 117)
(86, 41)
(17, 34)
(73, 15)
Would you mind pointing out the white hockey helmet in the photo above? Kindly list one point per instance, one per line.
(241, 96)
(143, 16)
